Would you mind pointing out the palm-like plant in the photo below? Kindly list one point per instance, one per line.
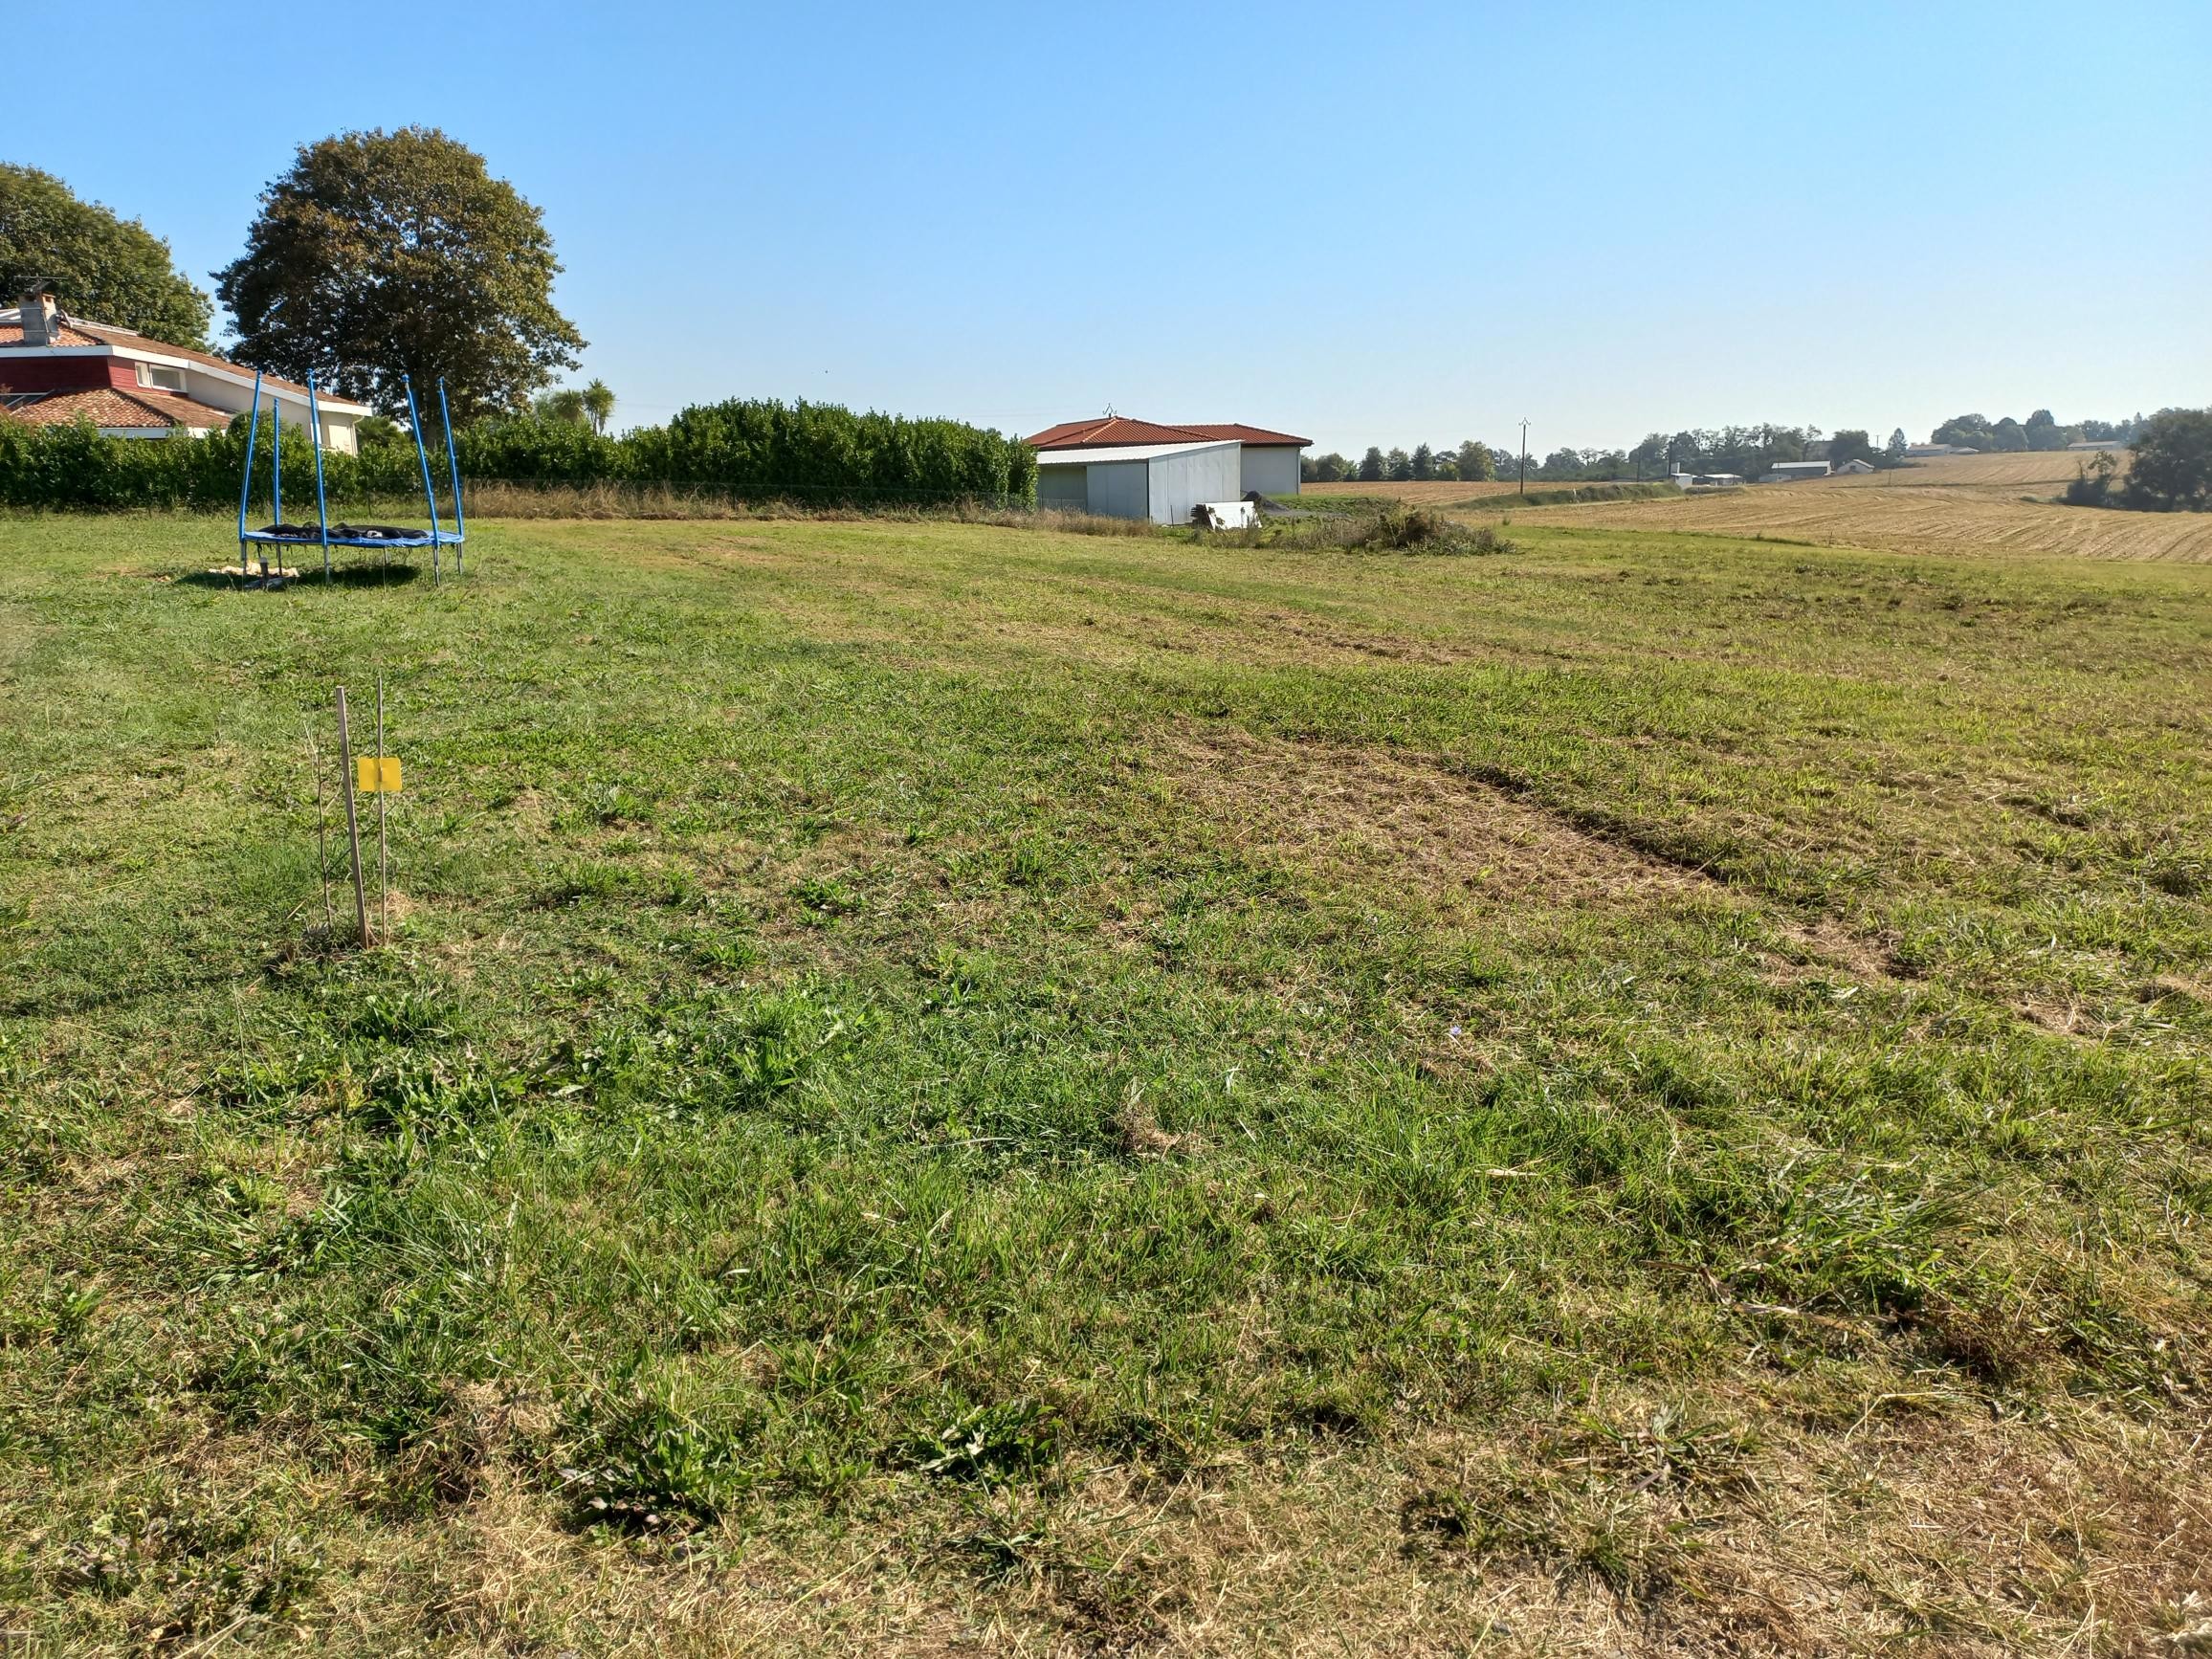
(564, 405)
(599, 403)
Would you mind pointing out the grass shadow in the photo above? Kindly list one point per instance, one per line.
(341, 576)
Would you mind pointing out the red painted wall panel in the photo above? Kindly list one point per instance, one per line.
(65, 373)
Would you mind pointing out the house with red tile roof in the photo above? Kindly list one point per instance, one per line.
(1266, 461)
(56, 369)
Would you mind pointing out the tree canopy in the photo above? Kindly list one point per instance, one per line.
(1852, 444)
(379, 254)
(2172, 466)
(103, 267)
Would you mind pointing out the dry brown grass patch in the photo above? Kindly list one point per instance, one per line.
(1373, 816)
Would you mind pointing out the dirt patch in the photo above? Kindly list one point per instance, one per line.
(1376, 817)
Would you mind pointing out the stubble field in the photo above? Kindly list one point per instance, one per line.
(944, 1087)
(1957, 506)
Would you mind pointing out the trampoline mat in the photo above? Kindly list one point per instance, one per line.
(339, 533)
(347, 536)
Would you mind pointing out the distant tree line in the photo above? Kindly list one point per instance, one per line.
(1745, 449)
(1470, 460)
(1749, 451)
(2041, 431)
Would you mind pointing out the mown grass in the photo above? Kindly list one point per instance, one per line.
(899, 1031)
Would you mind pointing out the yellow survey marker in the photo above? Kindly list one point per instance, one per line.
(376, 774)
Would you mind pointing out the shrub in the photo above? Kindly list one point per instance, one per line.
(1396, 529)
(2093, 481)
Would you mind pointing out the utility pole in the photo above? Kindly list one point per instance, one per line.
(1524, 460)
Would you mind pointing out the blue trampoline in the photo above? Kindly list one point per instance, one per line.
(323, 532)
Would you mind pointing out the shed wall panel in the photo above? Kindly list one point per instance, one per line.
(1118, 489)
(1180, 482)
(1067, 488)
(1273, 470)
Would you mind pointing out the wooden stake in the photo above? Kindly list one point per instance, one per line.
(322, 824)
(352, 823)
(383, 859)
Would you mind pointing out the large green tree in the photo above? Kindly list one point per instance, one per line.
(1476, 461)
(2172, 467)
(104, 268)
(380, 255)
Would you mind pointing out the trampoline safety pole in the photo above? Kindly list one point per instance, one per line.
(322, 503)
(423, 457)
(454, 471)
(276, 472)
(246, 485)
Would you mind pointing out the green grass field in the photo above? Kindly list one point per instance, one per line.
(940, 1087)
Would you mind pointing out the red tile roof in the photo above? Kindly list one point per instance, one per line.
(103, 335)
(79, 333)
(1112, 432)
(108, 406)
(66, 334)
(1244, 435)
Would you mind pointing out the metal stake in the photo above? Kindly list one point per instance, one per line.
(321, 825)
(382, 862)
(352, 823)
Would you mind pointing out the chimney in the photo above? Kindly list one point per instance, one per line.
(37, 315)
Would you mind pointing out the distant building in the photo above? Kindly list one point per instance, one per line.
(1856, 468)
(1131, 469)
(2099, 444)
(1926, 451)
(1791, 472)
(56, 370)
(1706, 480)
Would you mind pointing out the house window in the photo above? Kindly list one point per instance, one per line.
(161, 379)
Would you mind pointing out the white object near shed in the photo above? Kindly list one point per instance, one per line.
(1157, 481)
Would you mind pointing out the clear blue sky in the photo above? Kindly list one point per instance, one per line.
(1372, 225)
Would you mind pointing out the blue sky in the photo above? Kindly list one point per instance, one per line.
(1371, 225)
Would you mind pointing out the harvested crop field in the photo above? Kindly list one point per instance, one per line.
(944, 1087)
(1964, 506)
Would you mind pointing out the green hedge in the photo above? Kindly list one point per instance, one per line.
(812, 453)
(73, 466)
(763, 450)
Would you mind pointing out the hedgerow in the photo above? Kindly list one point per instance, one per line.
(75, 467)
(756, 451)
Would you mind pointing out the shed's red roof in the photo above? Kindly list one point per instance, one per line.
(1244, 435)
(1110, 431)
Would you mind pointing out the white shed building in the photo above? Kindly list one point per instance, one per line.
(1069, 456)
(1157, 481)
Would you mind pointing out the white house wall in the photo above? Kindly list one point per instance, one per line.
(1271, 469)
(219, 391)
(1180, 481)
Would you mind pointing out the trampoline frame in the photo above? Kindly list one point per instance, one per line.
(435, 538)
